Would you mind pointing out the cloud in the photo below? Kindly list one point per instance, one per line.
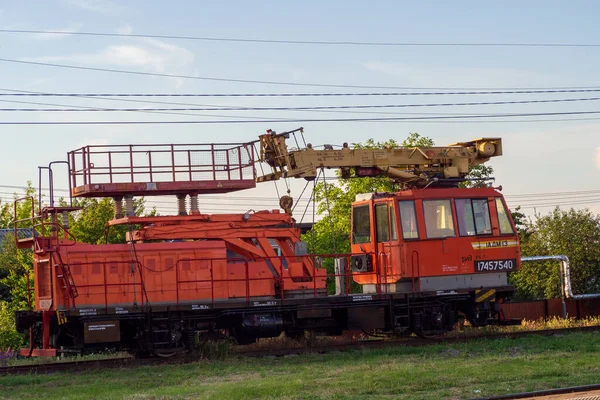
(97, 6)
(147, 54)
(423, 75)
(125, 29)
(58, 36)
(597, 157)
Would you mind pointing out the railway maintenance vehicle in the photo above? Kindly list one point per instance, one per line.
(422, 257)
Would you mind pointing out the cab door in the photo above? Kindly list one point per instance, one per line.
(363, 247)
(386, 237)
(408, 259)
(438, 252)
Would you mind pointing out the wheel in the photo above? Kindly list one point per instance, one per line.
(166, 353)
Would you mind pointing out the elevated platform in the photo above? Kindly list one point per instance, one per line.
(160, 169)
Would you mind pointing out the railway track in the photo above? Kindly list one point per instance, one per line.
(585, 392)
(245, 351)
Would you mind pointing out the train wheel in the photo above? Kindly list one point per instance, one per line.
(429, 324)
(167, 353)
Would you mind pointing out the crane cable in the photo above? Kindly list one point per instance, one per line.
(329, 214)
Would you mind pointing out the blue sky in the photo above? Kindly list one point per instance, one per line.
(540, 157)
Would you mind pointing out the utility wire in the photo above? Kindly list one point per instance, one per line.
(374, 94)
(309, 108)
(275, 119)
(393, 119)
(79, 108)
(544, 195)
(228, 108)
(206, 78)
(232, 107)
(304, 42)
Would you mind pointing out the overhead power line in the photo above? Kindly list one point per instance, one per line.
(86, 108)
(570, 203)
(509, 197)
(383, 119)
(304, 42)
(218, 79)
(309, 108)
(232, 108)
(257, 117)
(25, 93)
(552, 194)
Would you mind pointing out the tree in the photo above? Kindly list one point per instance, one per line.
(334, 201)
(520, 220)
(89, 224)
(574, 233)
(7, 214)
(15, 264)
(16, 269)
(479, 172)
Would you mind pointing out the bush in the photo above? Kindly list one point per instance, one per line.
(9, 337)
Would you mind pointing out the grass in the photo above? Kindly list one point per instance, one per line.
(18, 361)
(474, 369)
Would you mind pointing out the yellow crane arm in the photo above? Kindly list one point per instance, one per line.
(416, 165)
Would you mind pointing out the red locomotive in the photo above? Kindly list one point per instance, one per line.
(423, 257)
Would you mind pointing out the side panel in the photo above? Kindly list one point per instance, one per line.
(43, 283)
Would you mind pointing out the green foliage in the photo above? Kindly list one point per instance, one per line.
(16, 267)
(437, 371)
(15, 264)
(9, 337)
(88, 225)
(7, 214)
(335, 201)
(480, 171)
(520, 220)
(574, 233)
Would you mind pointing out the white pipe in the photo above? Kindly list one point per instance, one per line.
(565, 276)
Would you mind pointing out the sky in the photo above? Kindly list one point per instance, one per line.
(540, 157)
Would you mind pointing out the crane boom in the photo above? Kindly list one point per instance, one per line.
(415, 166)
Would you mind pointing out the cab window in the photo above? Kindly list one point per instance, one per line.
(361, 225)
(439, 222)
(473, 217)
(503, 220)
(408, 219)
(393, 227)
(382, 223)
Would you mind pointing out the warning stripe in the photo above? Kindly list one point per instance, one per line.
(485, 295)
(266, 178)
(61, 318)
(494, 244)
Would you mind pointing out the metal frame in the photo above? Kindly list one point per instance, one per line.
(159, 169)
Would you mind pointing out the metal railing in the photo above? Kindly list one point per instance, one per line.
(160, 163)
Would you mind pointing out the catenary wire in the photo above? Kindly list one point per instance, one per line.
(302, 42)
(325, 111)
(219, 79)
(25, 93)
(391, 119)
(540, 195)
(307, 108)
(233, 108)
(87, 108)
